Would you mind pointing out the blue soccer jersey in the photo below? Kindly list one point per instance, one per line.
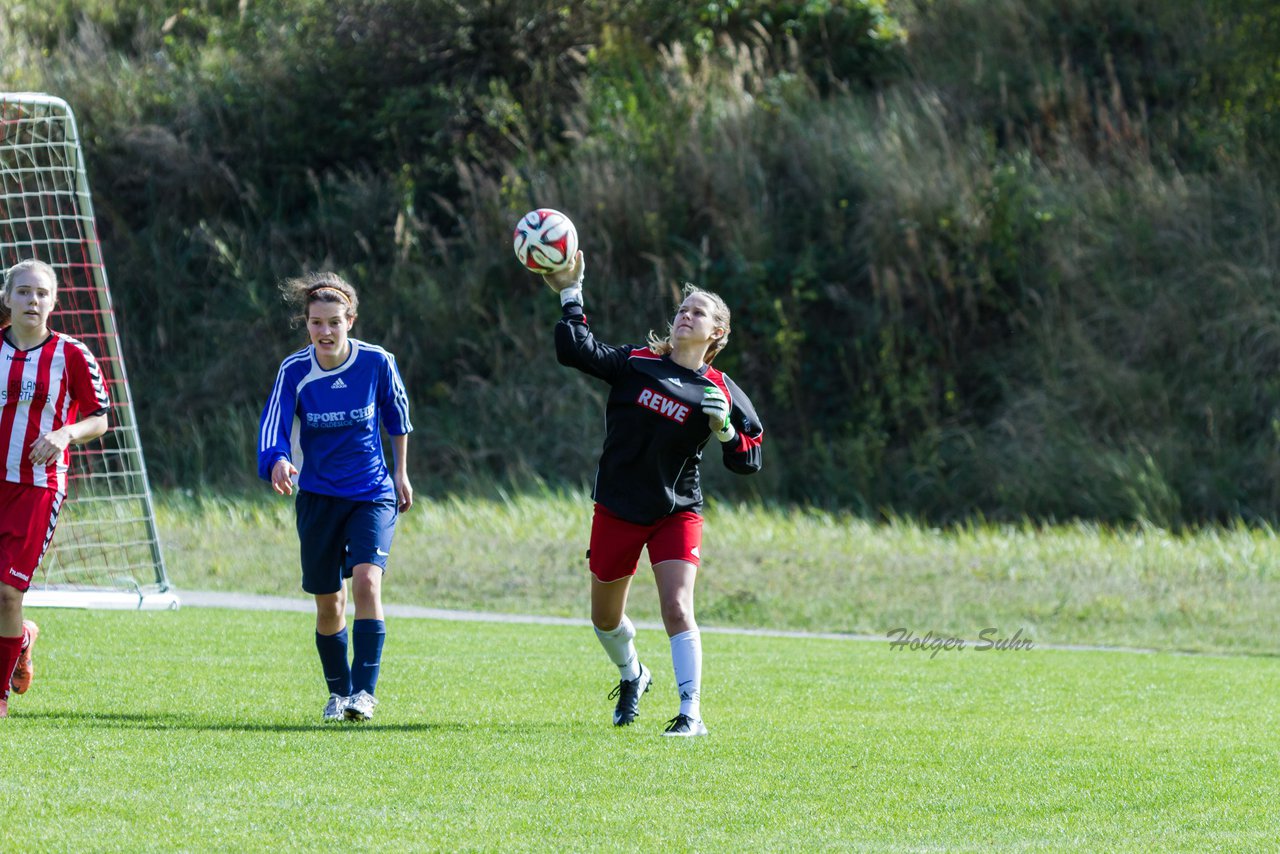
(326, 422)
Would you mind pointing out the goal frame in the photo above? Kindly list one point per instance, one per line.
(129, 593)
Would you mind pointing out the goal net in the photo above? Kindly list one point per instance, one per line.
(105, 552)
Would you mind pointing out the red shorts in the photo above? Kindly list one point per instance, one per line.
(616, 543)
(28, 515)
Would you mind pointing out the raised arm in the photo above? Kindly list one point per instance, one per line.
(576, 347)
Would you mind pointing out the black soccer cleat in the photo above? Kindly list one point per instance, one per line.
(628, 693)
(685, 727)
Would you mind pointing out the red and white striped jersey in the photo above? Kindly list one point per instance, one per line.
(42, 389)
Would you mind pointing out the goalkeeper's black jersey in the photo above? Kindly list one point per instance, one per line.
(655, 428)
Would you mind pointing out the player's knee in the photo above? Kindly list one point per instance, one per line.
(331, 606)
(10, 599)
(677, 612)
(606, 622)
(366, 582)
(606, 614)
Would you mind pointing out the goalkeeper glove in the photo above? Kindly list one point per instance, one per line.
(716, 408)
(569, 281)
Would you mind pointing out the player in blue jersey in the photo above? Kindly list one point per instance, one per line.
(665, 404)
(322, 428)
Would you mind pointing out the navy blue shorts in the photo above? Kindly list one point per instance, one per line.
(338, 534)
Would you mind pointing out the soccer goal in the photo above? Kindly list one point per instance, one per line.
(106, 553)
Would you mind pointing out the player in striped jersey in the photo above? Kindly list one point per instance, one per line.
(665, 403)
(322, 427)
(51, 397)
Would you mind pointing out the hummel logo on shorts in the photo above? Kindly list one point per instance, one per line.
(338, 383)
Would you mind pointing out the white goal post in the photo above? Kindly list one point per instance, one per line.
(105, 553)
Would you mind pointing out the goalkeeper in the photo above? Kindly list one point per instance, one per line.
(665, 403)
(51, 397)
(341, 392)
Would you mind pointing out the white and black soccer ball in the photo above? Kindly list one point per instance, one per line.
(545, 241)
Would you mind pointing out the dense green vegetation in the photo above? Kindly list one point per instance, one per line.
(1011, 258)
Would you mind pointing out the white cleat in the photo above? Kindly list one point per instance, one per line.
(360, 706)
(336, 708)
(683, 726)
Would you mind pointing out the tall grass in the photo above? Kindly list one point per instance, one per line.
(1212, 589)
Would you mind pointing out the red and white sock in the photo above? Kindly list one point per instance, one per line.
(10, 649)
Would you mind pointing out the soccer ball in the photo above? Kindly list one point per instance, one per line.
(545, 241)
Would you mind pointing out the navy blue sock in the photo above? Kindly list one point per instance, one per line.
(333, 660)
(367, 638)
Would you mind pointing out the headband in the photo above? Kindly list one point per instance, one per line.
(332, 289)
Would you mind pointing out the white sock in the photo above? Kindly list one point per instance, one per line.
(620, 649)
(686, 659)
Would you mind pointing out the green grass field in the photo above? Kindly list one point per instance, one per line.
(1214, 590)
(199, 730)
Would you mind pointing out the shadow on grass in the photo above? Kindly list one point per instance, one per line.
(169, 721)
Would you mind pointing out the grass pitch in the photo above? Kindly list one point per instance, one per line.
(200, 730)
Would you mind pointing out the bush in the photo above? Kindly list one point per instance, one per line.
(1016, 264)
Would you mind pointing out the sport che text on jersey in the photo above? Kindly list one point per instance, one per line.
(340, 418)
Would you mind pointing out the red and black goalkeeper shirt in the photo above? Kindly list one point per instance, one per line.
(655, 428)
